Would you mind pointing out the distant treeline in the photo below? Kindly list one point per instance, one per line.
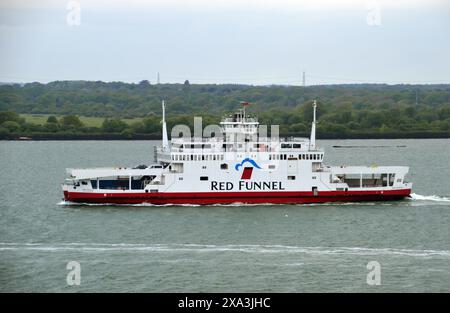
(344, 111)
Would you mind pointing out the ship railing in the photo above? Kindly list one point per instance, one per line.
(194, 140)
(239, 120)
(291, 139)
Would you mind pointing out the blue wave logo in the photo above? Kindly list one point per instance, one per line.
(246, 160)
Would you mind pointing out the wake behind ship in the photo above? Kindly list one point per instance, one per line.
(237, 166)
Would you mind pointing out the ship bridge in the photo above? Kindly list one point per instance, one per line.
(239, 135)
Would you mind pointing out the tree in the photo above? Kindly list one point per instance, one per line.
(10, 116)
(51, 127)
(4, 132)
(114, 125)
(11, 126)
(144, 83)
(52, 119)
(71, 121)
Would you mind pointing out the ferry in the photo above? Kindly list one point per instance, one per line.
(239, 164)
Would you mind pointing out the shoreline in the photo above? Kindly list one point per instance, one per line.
(111, 137)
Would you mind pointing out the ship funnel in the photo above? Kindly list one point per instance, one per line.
(165, 140)
(312, 141)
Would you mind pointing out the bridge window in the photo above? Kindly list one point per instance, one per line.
(291, 177)
(296, 146)
(203, 178)
(224, 166)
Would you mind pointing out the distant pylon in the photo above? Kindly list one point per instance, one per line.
(303, 79)
(157, 78)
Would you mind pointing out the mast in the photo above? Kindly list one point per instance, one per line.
(165, 141)
(312, 141)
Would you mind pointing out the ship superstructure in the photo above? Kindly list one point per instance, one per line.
(237, 164)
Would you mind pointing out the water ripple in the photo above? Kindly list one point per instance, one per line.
(174, 248)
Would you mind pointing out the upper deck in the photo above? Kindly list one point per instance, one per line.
(239, 133)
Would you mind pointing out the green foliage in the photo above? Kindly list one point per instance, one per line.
(11, 126)
(4, 133)
(10, 116)
(114, 125)
(130, 109)
(52, 119)
(71, 121)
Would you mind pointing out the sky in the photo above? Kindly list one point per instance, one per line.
(257, 42)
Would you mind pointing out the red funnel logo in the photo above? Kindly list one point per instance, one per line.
(247, 173)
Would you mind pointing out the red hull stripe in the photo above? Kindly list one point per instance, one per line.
(230, 197)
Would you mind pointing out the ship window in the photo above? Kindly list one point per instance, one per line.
(291, 177)
(203, 178)
(296, 146)
(204, 167)
(271, 166)
(94, 184)
(224, 166)
(84, 182)
(391, 179)
(286, 145)
(121, 184)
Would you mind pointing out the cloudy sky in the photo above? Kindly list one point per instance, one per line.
(232, 41)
